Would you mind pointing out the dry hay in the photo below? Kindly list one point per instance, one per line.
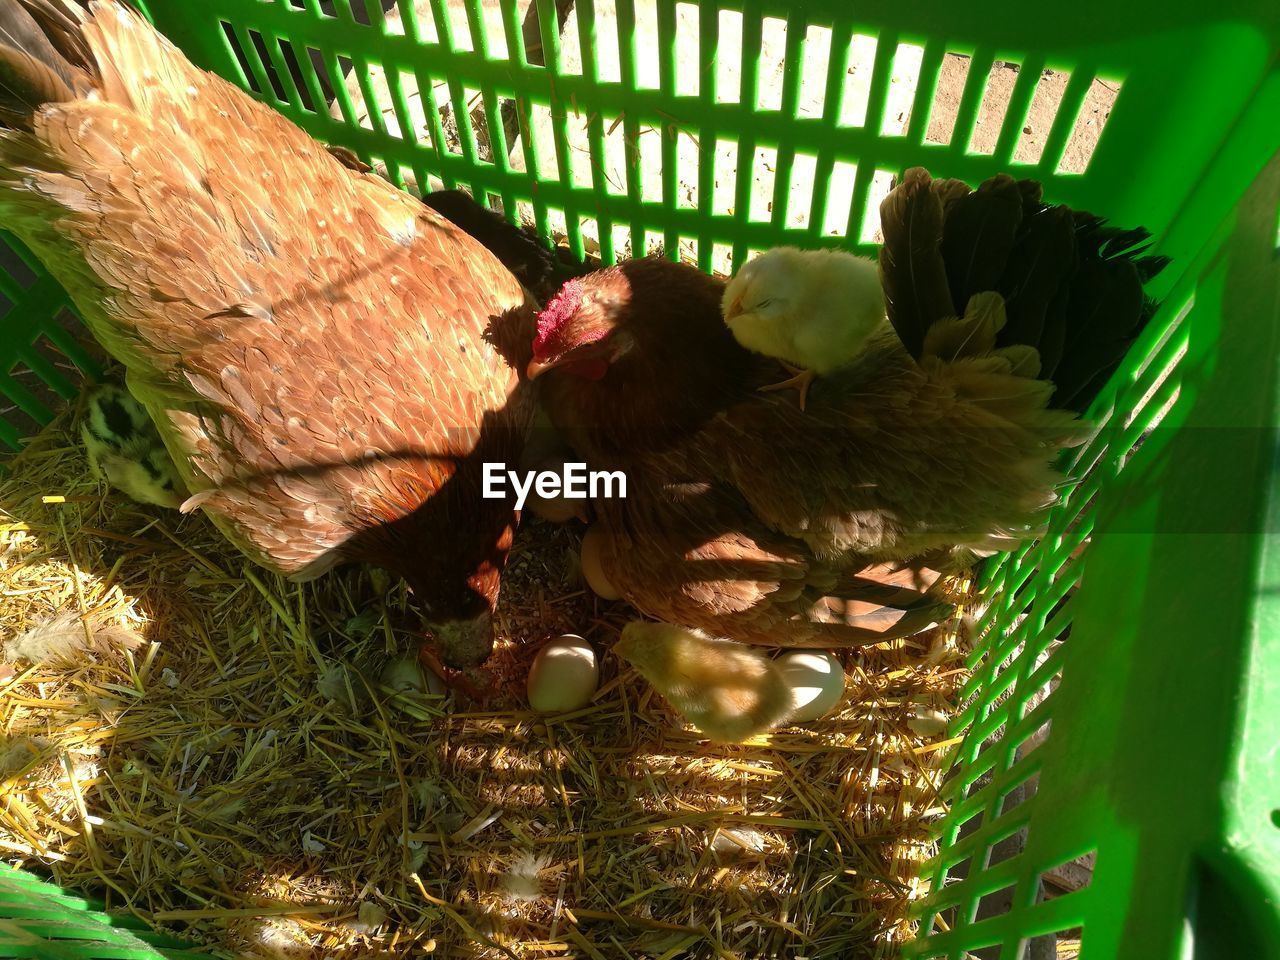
(213, 749)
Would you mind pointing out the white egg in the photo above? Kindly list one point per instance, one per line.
(564, 675)
(406, 674)
(592, 544)
(816, 679)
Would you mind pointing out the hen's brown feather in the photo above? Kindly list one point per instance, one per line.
(693, 554)
(755, 520)
(752, 519)
(310, 341)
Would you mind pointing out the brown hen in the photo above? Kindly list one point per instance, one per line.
(647, 378)
(752, 519)
(315, 347)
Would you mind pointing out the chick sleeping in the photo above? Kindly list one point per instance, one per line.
(124, 448)
(727, 690)
(813, 310)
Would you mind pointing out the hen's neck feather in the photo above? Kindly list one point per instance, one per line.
(684, 367)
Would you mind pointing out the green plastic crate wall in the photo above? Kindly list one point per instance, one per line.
(1155, 651)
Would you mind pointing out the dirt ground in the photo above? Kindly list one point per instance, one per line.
(728, 77)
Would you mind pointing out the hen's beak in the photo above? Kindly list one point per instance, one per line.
(536, 367)
(735, 309)
(594, 350)
(464, 643)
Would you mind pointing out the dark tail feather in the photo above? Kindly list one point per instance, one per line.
(1106, 314)
(978, 237)
(536, 264)
(42, 54)
(949, 191)
(1042, 261)
(1032, 192)
(520, 252)
(912, 270)
(1053, 336)
(1072, 283)
(1108, 307)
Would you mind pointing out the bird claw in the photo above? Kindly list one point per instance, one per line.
(800, 380)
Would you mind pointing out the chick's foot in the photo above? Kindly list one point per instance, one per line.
(800, 380)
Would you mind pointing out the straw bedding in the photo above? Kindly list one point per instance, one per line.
(213, 748)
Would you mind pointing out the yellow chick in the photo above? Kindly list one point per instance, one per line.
(727, 690)
(813, 310)
(125, 449)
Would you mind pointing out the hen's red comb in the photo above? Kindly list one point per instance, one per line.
(553, 316)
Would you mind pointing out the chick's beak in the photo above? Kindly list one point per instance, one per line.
(734, 310)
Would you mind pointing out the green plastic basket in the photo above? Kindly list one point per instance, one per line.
(1164, 693)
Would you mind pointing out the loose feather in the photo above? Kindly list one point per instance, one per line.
(972, 335)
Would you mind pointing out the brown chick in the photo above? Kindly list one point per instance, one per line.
(315, 347)
(728, 691)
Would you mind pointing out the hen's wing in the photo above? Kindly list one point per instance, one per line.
(302, 335)
(893, 458)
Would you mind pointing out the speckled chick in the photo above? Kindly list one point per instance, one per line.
(124, 448)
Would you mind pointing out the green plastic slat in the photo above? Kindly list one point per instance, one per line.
(789, 107)
(832, 105)
(975, 86)
(868, 158)
(752, 28)
(1191, 130)
(626, 25)
(1055, 144)
(667, 129)
(39, 921)
(708, 52)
